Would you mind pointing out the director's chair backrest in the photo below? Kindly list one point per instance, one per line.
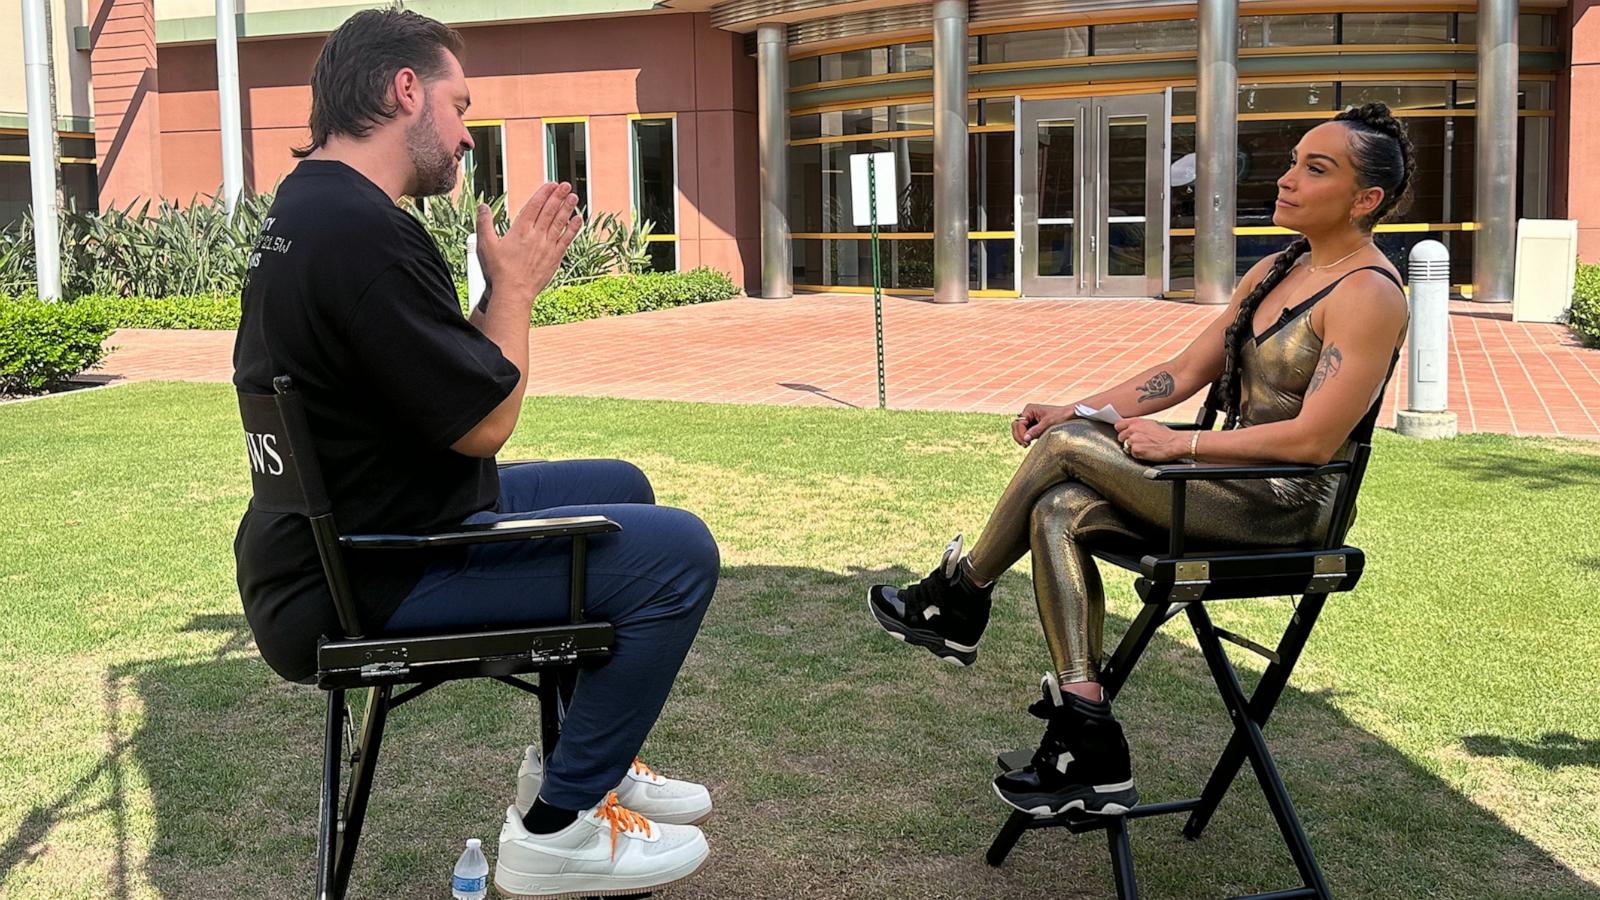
(285, 477)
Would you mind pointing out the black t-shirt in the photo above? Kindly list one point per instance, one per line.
(347, 294)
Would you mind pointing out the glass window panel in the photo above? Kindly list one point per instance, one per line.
(1530, 94)
(1287, 31)
(567, 157)
(1272, 98)
(1180, 263)
(1396, 28)
(990, 168)
(1183, 101)
(1534, 137)
(1533, 30)
(14, 144)
(805, 71)
(848, 263)
(486, 161)
(806, 188)
(80, 185)
(1049, 43)
(655, 192)
(855, 63)
(910, 118)
(1398, 95)
(1183, 175)
(865, 121)
(801, 127)
(992, 265)
(80, 147)
(1055, 249)
(1144, 37)
(1427, 182)
(913, 176)
(911, 57)
(999, 112)
(1058, 173)
(663, 256)
(1125, 195)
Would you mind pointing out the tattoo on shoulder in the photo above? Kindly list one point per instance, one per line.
(1160, 385)
(1327, 367)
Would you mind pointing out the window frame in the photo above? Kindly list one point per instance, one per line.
(634, 174)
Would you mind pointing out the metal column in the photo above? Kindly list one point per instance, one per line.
(228, 101)
(950, 259)
(1216, 139)
(1495, 163)
(42, 148)
(772, 80)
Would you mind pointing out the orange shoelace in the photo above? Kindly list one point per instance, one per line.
(621, 819)
(642, 769)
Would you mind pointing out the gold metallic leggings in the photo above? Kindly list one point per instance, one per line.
(1077, 486)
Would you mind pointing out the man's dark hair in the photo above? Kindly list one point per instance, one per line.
(350, 84)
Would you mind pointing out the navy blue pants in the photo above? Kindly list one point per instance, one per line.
(652, 582)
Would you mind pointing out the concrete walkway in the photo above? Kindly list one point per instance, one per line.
(988, 355)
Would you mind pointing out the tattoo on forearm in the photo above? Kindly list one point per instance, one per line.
(1327, 367)
(1160, 385)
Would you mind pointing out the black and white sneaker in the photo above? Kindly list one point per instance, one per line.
(944, 612)
(1081, 765)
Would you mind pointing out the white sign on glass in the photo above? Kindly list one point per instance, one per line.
(888, 210)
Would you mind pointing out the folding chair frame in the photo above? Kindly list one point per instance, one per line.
(1181, 582)
(286, 478)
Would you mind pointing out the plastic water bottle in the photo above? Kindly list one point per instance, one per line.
(471, 879)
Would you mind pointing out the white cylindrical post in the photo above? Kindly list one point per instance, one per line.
(41, 150)
(1428, 365)
(475, 282)
(228, 103)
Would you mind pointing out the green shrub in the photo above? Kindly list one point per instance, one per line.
(620, 295)
(1584, 318)
(44, 344)
(612, 295)
(198, 311)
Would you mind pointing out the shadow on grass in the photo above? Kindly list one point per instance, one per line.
(843, 766)
(1551, 750)
(1544, 474)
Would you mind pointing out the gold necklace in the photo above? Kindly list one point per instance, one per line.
(1312, 268)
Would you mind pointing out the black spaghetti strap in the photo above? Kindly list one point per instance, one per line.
(1294, 312)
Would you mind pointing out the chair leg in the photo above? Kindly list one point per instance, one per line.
(1294, 836)
(1132, 646)
(1121, 858)
(328, 812)
(1261, 704)
(1007, 838)
(360, 791)
(550, 712)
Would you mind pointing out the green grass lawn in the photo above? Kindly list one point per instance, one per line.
(1441, 737)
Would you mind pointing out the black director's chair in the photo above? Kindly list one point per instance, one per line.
(288, 480)
(1174, 581)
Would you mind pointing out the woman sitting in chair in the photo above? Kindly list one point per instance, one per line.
(1298, 361)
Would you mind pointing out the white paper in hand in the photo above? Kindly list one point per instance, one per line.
(1106, 414)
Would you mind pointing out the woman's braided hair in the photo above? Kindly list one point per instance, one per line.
(1383, 157)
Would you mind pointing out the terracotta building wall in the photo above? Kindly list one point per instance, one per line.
(606, 69)
(1574, 111)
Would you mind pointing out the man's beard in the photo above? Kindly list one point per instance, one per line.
(433, 162)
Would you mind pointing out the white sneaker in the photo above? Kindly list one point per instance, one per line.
(608, 850)
(659, 799)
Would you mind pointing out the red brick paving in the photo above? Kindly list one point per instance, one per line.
(988, 355)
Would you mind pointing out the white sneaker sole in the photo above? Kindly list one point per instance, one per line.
(549, 887)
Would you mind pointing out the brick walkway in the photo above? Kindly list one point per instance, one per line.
(988, 355)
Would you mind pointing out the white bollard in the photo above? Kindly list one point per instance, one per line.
(1428, 365)
(475, 282)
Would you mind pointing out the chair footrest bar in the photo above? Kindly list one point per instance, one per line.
(1279, 895)
(1248, 644)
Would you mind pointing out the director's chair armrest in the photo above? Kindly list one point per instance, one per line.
(486, 533)
(1179, 475)
(1218, 472)
(508, 463)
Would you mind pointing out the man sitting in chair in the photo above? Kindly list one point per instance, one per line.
(410, 402)
(1299, 359)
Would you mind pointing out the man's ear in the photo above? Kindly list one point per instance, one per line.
(408, 92)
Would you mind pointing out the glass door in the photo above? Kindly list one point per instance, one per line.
(1094, 196)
